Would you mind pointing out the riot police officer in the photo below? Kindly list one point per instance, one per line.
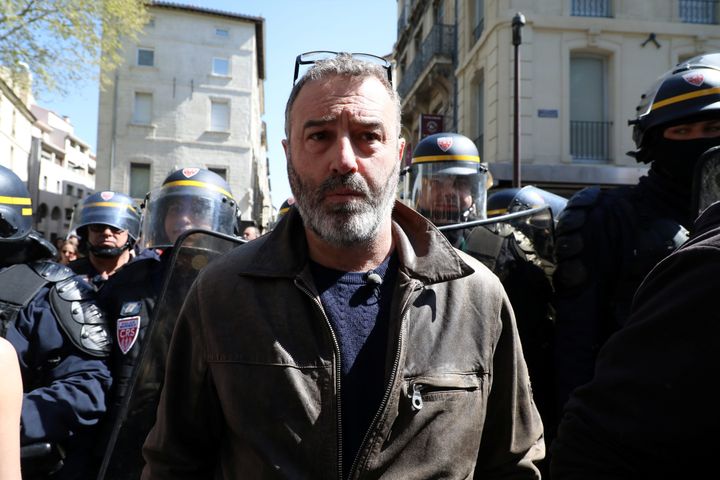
(61, 338)
(449, 188)
(109, 224)
(447, 182)
(608, 240)
(189, 198)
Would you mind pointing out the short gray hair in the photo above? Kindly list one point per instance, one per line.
(343, 64)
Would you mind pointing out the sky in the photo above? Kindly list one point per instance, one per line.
(291, 27)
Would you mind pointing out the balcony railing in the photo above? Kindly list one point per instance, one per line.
(478, 30)
(699, 11)
(591, 8)
(590, 141)
(440, 41)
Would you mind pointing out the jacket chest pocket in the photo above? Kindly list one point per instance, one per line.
(443, 388)
(438, 424)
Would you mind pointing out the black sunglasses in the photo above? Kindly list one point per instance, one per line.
(308, 58)
(100, 228)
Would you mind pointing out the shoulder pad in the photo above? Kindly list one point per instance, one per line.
(81, 319)
(75, 289)
(586, 197)
(575, 213)
(51, 271)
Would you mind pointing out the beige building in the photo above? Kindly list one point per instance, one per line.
(583, 65)
(17, 127)
(190, 93)
(42, 149)
(64, 167)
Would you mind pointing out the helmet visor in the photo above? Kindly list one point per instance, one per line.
(170, 212)
(448, 193)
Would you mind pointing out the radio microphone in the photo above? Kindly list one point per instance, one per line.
(372, 278)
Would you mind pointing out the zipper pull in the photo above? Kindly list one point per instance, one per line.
(416, 401)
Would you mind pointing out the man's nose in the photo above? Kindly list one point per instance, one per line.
(345, 160)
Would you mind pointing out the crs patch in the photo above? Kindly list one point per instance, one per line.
(127, 332)
(190, 172)
(444, 143)
(694, 78)
(130, 308)
(107, 195)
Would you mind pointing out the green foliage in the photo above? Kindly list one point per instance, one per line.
(62, 42)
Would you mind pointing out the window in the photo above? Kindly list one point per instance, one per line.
(220, 171)
(219, 115)
(590, 8)
(221, 66)
(69, 190)
(589, 128)
(222, 32)
(142, 111)
(440, 13)
(80, 193)
(139, 180)
(145, 57)
(68, 214)
(699, 11)
(479, 19)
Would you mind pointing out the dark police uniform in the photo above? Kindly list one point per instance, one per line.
(607, 241)
(62, 342)
(130, 296)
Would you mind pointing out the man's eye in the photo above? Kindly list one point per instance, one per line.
(371, 136)
(317, 136)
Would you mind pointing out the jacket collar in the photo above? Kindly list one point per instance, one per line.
(424, 252)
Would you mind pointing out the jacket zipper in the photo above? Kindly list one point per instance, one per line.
(396, 363)
(336, 364)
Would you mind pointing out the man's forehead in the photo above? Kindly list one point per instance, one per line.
(361, 96)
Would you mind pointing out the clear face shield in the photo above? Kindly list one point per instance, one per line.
(706, 186)
(172, 211)
(448, 195)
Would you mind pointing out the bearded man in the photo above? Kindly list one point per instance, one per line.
(352, 341)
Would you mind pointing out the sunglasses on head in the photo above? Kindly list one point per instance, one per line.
(309, 58)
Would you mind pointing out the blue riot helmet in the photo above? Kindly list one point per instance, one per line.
(15, 207)
(529, 197)
(498, 201)
(448, 181)
(189, 198)
(688, 93)
(116, 210)
(19, 243)
(536, 232)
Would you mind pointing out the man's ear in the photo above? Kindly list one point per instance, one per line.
(286, 147)
(401, 148)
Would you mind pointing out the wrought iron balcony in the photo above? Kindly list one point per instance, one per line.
(590, 141)
(699, 11)
(591, 8)
(439, 42)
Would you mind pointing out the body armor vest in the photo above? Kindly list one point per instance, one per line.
(72, 303)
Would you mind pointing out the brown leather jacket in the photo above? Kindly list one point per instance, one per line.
(252, 385)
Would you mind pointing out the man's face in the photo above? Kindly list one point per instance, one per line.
(343, 157)
(443, 198)
(185, 213)
(250, 233)
(105, 236)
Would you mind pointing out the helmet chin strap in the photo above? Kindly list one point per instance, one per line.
(110, 252)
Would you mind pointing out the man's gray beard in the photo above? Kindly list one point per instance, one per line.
(350, 224)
